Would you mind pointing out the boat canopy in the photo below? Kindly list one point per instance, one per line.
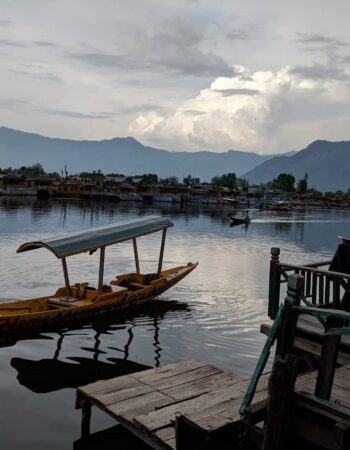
(99, 237)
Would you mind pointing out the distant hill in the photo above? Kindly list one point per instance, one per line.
(119, 155)
(326, 163)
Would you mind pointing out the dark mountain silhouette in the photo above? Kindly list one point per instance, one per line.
(326, 163)
(118, 155)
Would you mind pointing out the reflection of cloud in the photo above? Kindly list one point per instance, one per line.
(77, 114)
(250, 111)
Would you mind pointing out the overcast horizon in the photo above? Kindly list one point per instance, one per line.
(178, 75)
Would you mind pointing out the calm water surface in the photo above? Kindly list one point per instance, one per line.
(214, 314)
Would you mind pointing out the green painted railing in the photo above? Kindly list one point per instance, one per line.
(283, 330)
(322, 288)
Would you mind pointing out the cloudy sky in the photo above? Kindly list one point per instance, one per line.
(267, 76)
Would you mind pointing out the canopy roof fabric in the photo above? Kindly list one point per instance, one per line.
(99, 237)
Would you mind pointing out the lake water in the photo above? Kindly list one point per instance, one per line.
(214, 314)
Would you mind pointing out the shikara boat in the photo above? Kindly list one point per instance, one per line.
(237, 221)
(74, 303)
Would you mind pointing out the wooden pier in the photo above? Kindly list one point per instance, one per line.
(304, 401)
(191, 404)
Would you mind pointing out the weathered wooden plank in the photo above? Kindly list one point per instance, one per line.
(183, 378)
(168, 370)
(123, 394)
(105, 386)
(201, 386)
(166, 434)
(139, 405)
(229, 415)
(158, 419)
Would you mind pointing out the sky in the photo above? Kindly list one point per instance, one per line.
(265, 76)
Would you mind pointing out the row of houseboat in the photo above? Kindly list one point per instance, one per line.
(134, 189)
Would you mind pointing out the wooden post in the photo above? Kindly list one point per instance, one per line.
(161, 252)
(137, 262)
(85, 417)
(328, 360)
(279, 402)
(102, 264)
(285, 341)
(274, 283)
(65, 274)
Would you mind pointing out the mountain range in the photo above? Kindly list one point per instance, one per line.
(326, 163)
(118, 155)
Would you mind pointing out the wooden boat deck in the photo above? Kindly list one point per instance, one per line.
(190, 397)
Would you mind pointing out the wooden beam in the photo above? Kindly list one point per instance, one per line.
(274, 283)
(328, 361)
(137, 262)
(279, 402)
(161, 252)
(66, 277)
(102, 264)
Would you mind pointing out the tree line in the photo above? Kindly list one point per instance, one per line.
(284, 181)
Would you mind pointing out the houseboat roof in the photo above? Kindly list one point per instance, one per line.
(98, 237)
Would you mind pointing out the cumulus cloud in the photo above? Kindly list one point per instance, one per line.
(249, 111)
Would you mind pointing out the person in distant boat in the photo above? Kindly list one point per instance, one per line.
(341, 263)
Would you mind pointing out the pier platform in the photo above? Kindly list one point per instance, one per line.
(190, 404)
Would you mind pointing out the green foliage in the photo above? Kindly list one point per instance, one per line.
(34, 171)
(302, 185)
(169, 180)
(284, 182)
(149, 178)
(228, 180)
(190, 180)
(242, 183)
(94, 175)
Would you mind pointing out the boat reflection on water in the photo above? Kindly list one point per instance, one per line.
(47, 375)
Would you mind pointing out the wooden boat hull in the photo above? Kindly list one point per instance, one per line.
(236, 221)
(37, 314)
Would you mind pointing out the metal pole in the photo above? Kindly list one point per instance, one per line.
(137, 262)
(161, 252)
(66, 277)
(102, 264)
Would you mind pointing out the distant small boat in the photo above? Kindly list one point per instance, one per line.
(237, 221)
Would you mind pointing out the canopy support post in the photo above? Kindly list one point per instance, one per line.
(161, 252)
(137, 262)
(66, 277)
(102, 265)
